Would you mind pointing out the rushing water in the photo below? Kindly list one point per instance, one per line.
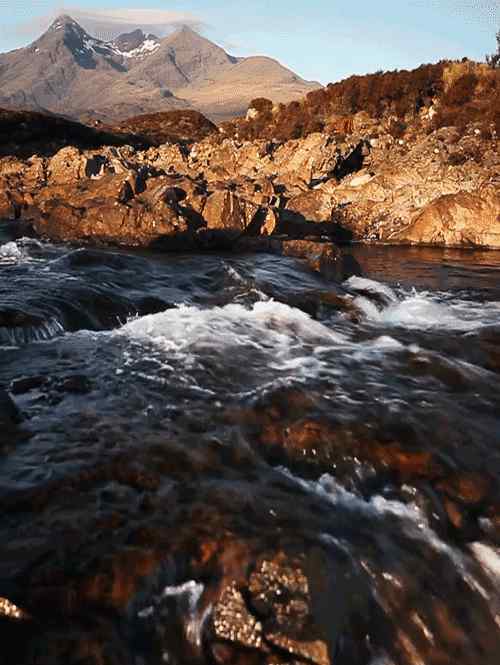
(110, 351)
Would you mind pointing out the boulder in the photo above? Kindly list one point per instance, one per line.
(118, 209)
(322, 257)
(170, 158)
(470, 219)
(312, 157)
(65, 167)
(11, 201)
(313, 206)
(224, 210)
(275, 610)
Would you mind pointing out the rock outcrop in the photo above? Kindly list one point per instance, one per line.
(463, 219)
(360, 178)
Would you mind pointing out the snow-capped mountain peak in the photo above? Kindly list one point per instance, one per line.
(135, 44)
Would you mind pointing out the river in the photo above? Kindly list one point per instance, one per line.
(259, 379)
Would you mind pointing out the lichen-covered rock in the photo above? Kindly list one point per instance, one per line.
(273, 610)
(11, 201)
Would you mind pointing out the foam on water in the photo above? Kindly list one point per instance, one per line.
(489, 558)
(10, 252)
(413, 522)
(17, 251)
(382, 305)
(236, 348)
(268, 324)
(187, 597)
(420, 311)
(371, 286)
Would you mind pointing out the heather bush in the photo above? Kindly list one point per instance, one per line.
(262, 105)
(397, 129)
(461, 91)
(467, 92)
(493, 60)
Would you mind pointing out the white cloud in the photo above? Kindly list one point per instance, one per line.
(108, 23)
(132, 16)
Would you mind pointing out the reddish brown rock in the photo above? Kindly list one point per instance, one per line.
(313, 206)
(273, 611)
(225, 210)
(321, 257)
(470, 219)
(10, 202)
(467, 488)
(112, 209)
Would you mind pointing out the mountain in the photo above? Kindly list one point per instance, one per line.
(136, 44)
(69, 72)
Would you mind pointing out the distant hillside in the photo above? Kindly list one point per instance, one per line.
(456, 93)
(69, 72)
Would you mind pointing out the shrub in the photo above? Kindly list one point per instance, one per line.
(457, 158)
(262, 105)
(493, 60)
(461, 91)
(397, 129)
(467, 92)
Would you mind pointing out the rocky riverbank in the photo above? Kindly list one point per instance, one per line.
(433, 187)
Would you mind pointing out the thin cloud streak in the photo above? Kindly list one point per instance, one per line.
(108, 23)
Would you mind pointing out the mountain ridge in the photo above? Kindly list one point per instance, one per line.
(69, 72)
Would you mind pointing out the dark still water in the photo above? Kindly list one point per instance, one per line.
(202, 400)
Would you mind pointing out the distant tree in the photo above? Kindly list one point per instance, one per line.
(494, 59)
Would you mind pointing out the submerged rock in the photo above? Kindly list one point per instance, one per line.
(9, 413)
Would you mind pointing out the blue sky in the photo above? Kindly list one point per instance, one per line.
(323, 40)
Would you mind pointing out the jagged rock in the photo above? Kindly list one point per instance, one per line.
(433, 189)
(313, 206)
(224, 210)
(273, 611)
(65, 167)
(11, 201)
(232, 621)
(269, 222)
(279, 591)
(35, 175)
(320, 256)
(113, 209)
(311, 157)
(470, 219)
(168, 157)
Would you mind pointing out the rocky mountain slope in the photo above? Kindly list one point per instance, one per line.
(69, 72)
